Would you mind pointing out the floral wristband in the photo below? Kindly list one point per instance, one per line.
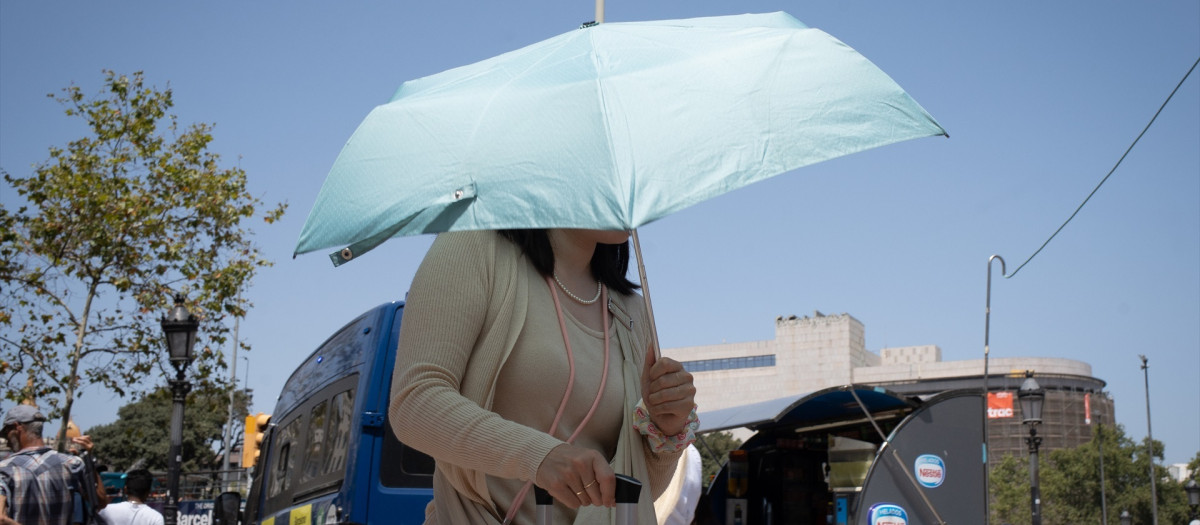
(660, 442)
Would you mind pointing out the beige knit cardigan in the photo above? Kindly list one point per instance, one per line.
(464, 311)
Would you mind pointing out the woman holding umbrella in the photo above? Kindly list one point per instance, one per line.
(525, 357)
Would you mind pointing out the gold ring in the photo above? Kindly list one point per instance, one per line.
(580, 493)
(593, 482)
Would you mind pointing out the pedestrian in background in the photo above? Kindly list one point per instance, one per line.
(134, 511)
(37, 484)
(678, 502)
(87, 501)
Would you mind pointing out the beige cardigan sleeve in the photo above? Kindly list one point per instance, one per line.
(457, 300)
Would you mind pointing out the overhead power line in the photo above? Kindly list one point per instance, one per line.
(1110, 172)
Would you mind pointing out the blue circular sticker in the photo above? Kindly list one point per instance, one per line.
(887, 514)
(930, 470)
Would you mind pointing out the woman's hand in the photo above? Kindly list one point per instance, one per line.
(668, 392)
(577, 477)
(84, 442)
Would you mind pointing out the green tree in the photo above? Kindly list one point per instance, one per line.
(110, 226)
(1172, 500)
(1070, 483)
(714, 451)
(140, 437)
(1009, 486)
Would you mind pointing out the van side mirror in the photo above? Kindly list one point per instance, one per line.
(226, 508)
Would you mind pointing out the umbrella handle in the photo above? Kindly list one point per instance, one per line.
(637, 249)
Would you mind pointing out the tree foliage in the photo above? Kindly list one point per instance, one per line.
(140, 437)
(715, 444)
(110, 226)
(1008, 483)
(1070, 483)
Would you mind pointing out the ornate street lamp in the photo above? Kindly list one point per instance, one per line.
(179, 326)
(1032, 396)
(1193, 492)
(1126, 519)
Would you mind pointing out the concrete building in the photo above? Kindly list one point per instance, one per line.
(814, 352)
(1179, 472)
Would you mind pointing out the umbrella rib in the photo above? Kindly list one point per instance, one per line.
(505, 87)
(606, 122)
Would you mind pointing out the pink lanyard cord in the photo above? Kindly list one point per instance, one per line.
(562, 325)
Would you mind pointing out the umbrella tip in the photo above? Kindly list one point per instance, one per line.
(586, 25)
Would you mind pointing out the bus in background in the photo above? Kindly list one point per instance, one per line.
(327, 454)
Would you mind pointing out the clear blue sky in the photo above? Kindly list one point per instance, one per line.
(1040, 99)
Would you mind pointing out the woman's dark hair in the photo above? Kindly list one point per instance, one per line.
(609, 264)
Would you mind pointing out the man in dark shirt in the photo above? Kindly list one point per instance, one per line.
(36, 483)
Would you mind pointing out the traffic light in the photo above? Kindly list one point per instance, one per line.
(256, 430)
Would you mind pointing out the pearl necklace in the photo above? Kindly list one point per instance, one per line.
(575, 297)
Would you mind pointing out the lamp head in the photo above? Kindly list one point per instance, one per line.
(1193, 492)
(1032, 397)
(179, 326)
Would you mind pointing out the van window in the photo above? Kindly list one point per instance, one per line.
(328, 436)
(284, 466)
(307, 457)
(402, 466)
(316, 442)
(341, 410)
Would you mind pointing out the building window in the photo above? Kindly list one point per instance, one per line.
(729, 363)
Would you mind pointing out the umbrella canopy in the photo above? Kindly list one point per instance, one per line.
(609, 126)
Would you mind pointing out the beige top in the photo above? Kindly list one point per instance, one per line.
(480, 371)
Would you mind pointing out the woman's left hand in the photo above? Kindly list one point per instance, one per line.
(668, 392)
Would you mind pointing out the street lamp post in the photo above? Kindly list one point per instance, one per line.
(1032, 396)
(1126, 519)
(227, 436)
(246, 389)
(179, 326)
(1100, 454)
(1150, 445)
(1193, 494)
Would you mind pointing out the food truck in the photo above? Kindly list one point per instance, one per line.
(852, 455)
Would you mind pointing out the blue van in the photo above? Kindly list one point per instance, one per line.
(329, 455)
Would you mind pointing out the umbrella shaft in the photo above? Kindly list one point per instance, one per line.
(637, 250)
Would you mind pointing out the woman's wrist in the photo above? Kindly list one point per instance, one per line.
(660, 441)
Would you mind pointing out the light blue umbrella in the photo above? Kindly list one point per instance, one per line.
(609, 126)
